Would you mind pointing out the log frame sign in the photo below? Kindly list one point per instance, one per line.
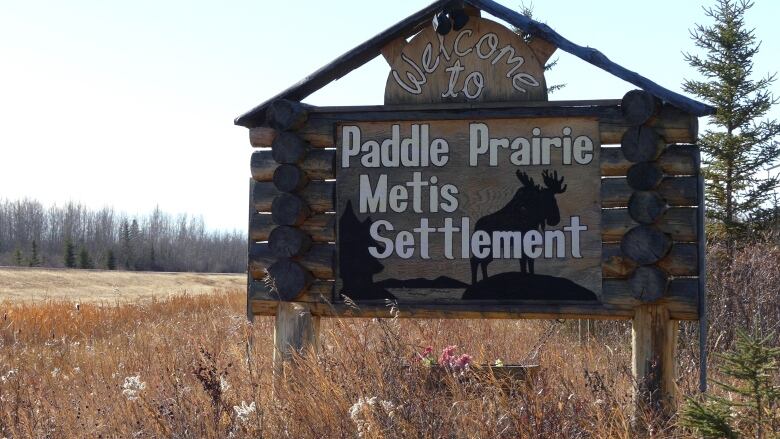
(469, 195)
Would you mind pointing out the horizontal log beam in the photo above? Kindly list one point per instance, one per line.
(319, 164)
(682, 260)
(321, 227)
(320, 260)
(677, 191)
(319, 291)
(678, 222)
(675, 160)
(318, 195)
(617, 303)
(674, 125)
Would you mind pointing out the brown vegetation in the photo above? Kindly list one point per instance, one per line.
(191, 366)
(108, 287)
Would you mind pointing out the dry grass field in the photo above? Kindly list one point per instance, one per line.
(191, 366)
(17, 283)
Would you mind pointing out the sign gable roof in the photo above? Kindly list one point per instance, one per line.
(414, 23)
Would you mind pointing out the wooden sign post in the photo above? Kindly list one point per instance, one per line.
(469, 195)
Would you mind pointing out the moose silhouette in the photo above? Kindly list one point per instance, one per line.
(531, 207)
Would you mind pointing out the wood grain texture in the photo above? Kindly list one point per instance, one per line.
(320, 227)
(288, 242)
(286, 277)
(289, 148)
(318, 196)
(677, 191)
(681, 260)
(649, 283)
(678, 222)
(654, 337)
(641, 144)
(286, 115)
(674, 125)
(319, 164)
(413, 80)
(290, 178)
(618, 303)
(286, 209)
(639, 106)
(676, 160)
(319, 260)
(644, 176)
(645, 244)
(646, 207)
(296, 331)
(319, 291)
(482, 190)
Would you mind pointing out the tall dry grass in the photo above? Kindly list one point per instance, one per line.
(203, 371)
(191, 366)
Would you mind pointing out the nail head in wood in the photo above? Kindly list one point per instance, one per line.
(288, 242)
(648, 283)
(641, 144)
(289, 210)
(288, 278)
(645, 244)
(644, 176)
(646, 207)
(289, 178)
(285, 115)
(639, 106)
(289, 148)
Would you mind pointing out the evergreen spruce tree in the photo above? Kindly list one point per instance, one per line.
(70, 254)
(126, 245)
(742, 142)
(18, 257)
(34, 260)
(110, 260)
(753, 406)
(84, 260)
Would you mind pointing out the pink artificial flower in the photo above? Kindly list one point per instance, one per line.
(463, 361)
(447, 356)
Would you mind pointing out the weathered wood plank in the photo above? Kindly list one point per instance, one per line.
(677, 191)
(318, 195)
(617, 303)
(678, 222)
(321, 227)
(682, 260)
(654, 337)
(319, 291)
(296, 330)
(675, 160)
(320, 260)
(673, 125)
(319, 164)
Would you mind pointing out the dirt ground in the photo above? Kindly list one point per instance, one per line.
(35, 284)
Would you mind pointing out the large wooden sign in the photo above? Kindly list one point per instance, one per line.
(463, 211)
(469, 195)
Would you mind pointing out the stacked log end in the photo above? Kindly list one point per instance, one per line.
(646, 244)
(291, 227)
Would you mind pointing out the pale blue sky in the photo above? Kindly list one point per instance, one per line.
(131, 104)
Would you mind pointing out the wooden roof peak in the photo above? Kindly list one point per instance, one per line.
(414, 23)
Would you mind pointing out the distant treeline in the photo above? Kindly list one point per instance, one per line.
(73, 235)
